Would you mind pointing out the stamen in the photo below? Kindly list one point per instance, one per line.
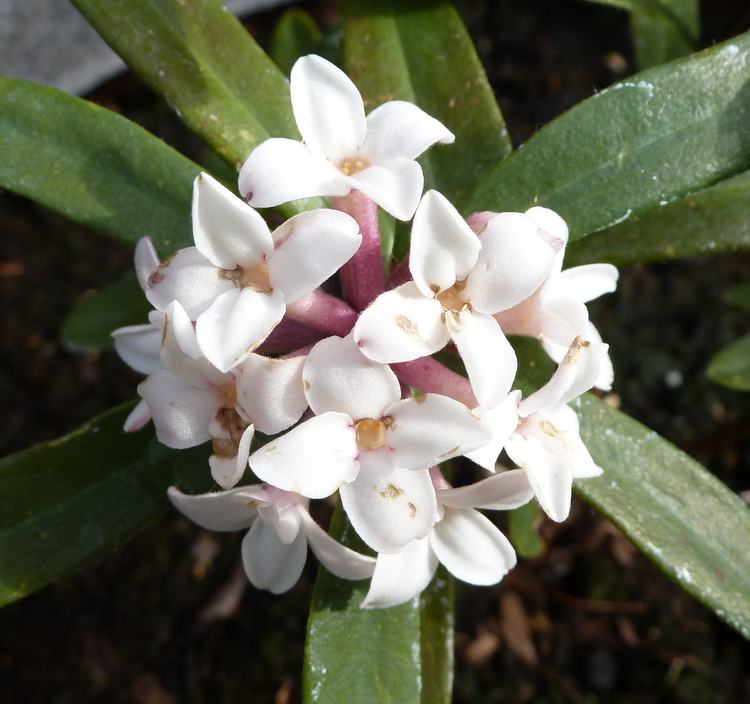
(370, 434)
(228, 394)
(453, 298)
(257, 277)
(349, 167)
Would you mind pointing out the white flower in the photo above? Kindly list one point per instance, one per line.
(342, 150)
(191, 401)
(369, 443)
(460, 281)
(540, 433)
(274, 550)
(238, 279)
(556, 312)
(465, 541)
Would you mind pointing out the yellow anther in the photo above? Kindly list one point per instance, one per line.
(370, 434)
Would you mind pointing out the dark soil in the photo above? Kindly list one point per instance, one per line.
(589, 621)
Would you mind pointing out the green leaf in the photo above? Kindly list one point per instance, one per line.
(93, 166)
(522, 530)
(714, 220)
(92, 321)
(655, 137)
(731, 366)
(676, 512)
(65, 503)
(739, 295)
(437, 623)
(368, 656)
(295, 35)
(424, 55)
(201, 59)
(659, 37)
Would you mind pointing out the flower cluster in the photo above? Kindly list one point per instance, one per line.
(243, 340)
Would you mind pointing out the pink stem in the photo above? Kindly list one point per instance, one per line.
(362, 275)
(289, 335)
(400, 275)
(429, 376)
(324, 312)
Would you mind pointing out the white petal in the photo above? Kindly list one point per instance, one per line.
(585, 283)
(227, 471)
(237, 322)
(215, 511)
(328, 108)
(606, 372)
(280, 170)
(471, 547)
(314, 459)
(137, 418)
(432, 428)
(311, 247)
(227, 231)
(181, 412)
(270, 392)
(549, 221)
(191, 279)
(270, 563)
(502, 420)
(139, 347)
(401, 576)
(146, 261)
(389, 506)
(335, 557)
(513, 263)
(502, 492)
(338, 377)
(401, 325)
(488, 356)
(574, 375)
(401, 129)
(395, 185)
(443, 247)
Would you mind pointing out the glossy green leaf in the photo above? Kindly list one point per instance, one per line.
(67, 502)
(739, 294)
(295, 35)
(437, 628)
(93, 166)
(731, 366)
(368, 656)
(90, 324)
(714, 220)
(201, 59)
(522, 530)
(655, 137)
(424, 55)
(666, 35)
(679, 514)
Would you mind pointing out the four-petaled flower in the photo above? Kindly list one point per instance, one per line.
(342, 150)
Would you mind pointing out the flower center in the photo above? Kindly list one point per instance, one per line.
(228, 394)
(453, 298)
(370, 433)
(234, 426)
(255, 276)
(349, 167)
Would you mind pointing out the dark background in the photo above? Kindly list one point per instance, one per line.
(169, 618)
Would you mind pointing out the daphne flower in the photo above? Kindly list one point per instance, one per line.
(238, 279)
(274, 551)
(556, 312)
(342, 150)
(369, 443)
(540, 433)
(191, 401)
(460, 281)
(466, 542)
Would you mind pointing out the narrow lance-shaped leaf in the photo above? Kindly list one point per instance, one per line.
(673, 509)
(368, 656)
(731, 366)
(711, 221)
(424, 55)
(666, 36)
(65, 503)
(93, 166)
(652, 138)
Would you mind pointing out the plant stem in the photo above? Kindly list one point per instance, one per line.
(324, 312)
(429, 376)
